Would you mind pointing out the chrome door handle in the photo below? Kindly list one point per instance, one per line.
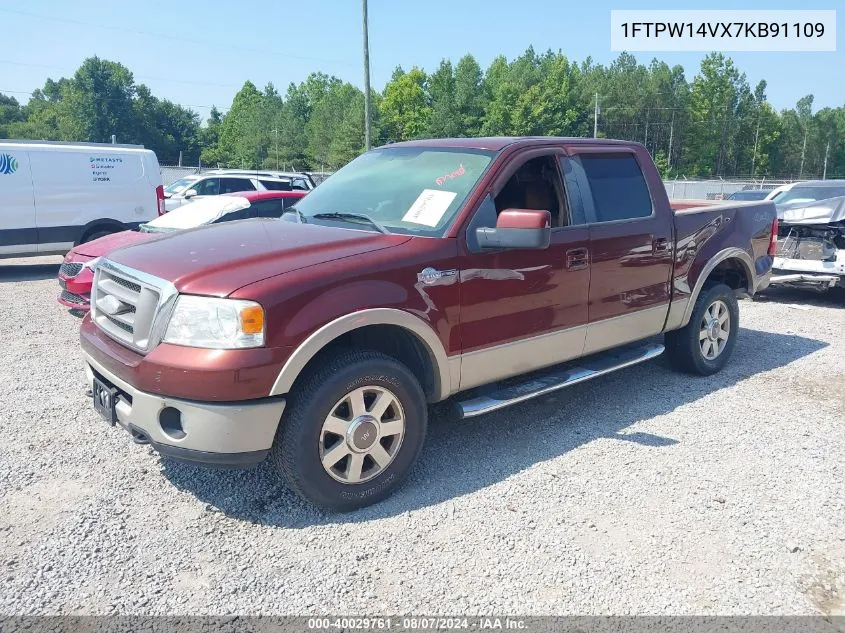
(577, 258)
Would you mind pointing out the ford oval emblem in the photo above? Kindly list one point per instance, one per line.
(428, 275)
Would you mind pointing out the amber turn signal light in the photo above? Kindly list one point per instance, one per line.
(252, 320)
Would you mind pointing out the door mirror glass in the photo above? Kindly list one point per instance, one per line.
(517, 229)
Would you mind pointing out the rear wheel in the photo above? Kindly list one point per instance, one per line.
(95, 235)
(706, 343)
(352, 431)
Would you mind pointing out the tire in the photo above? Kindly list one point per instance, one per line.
(94, 236)
(306, 438)
(687, 351)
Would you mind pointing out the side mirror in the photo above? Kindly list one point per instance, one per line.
(190, 193)
(517, 228)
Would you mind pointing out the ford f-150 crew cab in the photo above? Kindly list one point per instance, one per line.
(483, 271)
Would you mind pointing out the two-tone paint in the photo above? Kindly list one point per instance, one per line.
(474, 317)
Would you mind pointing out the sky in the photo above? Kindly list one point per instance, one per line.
(199, 54)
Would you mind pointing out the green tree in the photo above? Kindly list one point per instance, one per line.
(718, 102)
(244, 140)
(469, 96)
(405, 110)
(445, 119)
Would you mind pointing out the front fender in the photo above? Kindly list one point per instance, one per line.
(443, 383)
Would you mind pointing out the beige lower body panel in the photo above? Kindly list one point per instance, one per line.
(519, 357)
(209, 427)
(623, 329)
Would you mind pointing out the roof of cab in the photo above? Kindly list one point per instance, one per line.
(498, 143)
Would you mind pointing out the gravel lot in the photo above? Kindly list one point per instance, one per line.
(644, 492)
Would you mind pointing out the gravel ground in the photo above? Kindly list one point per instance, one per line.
(644, 492)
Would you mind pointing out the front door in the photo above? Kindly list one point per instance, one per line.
(524, 309)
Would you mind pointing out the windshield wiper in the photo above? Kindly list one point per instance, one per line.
(353, 217)
(299, 214)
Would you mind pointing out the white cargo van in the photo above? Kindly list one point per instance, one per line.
(56, 195)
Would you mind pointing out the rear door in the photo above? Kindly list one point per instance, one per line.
(631, 248)
(18, 233)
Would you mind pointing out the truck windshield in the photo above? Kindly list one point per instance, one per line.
(412, 190)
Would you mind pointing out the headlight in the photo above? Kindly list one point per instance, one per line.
(215, 323)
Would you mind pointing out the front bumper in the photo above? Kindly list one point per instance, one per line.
(76, 289)
(235, 434)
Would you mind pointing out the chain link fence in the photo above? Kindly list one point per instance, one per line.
(677, 189)
(716, 189)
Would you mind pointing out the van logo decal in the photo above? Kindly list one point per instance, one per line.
(8, 164)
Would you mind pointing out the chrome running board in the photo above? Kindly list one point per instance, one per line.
(509, 392)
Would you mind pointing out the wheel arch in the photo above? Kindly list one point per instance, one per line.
(732, 266)
(100, 224)
(360, 326)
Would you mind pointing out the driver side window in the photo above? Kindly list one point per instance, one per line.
(207, 187)
(536, 184)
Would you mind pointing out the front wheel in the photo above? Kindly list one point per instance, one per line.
(706, 343)
(352, 431)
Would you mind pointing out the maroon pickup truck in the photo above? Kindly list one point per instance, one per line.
(485, 271)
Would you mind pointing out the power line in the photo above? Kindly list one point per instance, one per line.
(184, 105)
(72, 70)
(178, 38)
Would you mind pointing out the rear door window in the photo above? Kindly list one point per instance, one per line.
(276, 185)
(617, 186)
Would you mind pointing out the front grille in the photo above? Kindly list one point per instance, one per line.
(131, 285)
(125, 304)
(70, 269)
(73, 298)
(123, 326)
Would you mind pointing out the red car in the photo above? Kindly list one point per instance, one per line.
(76, 272)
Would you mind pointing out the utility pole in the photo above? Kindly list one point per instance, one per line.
(367, 123)
(754, 155)
(671, 138)
(645, 142)
(826, 153)
(595, 115)
(276, 132)
(803, 151)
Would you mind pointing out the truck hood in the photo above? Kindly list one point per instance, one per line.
(109, 243)
(818, 212)
(218, 259)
